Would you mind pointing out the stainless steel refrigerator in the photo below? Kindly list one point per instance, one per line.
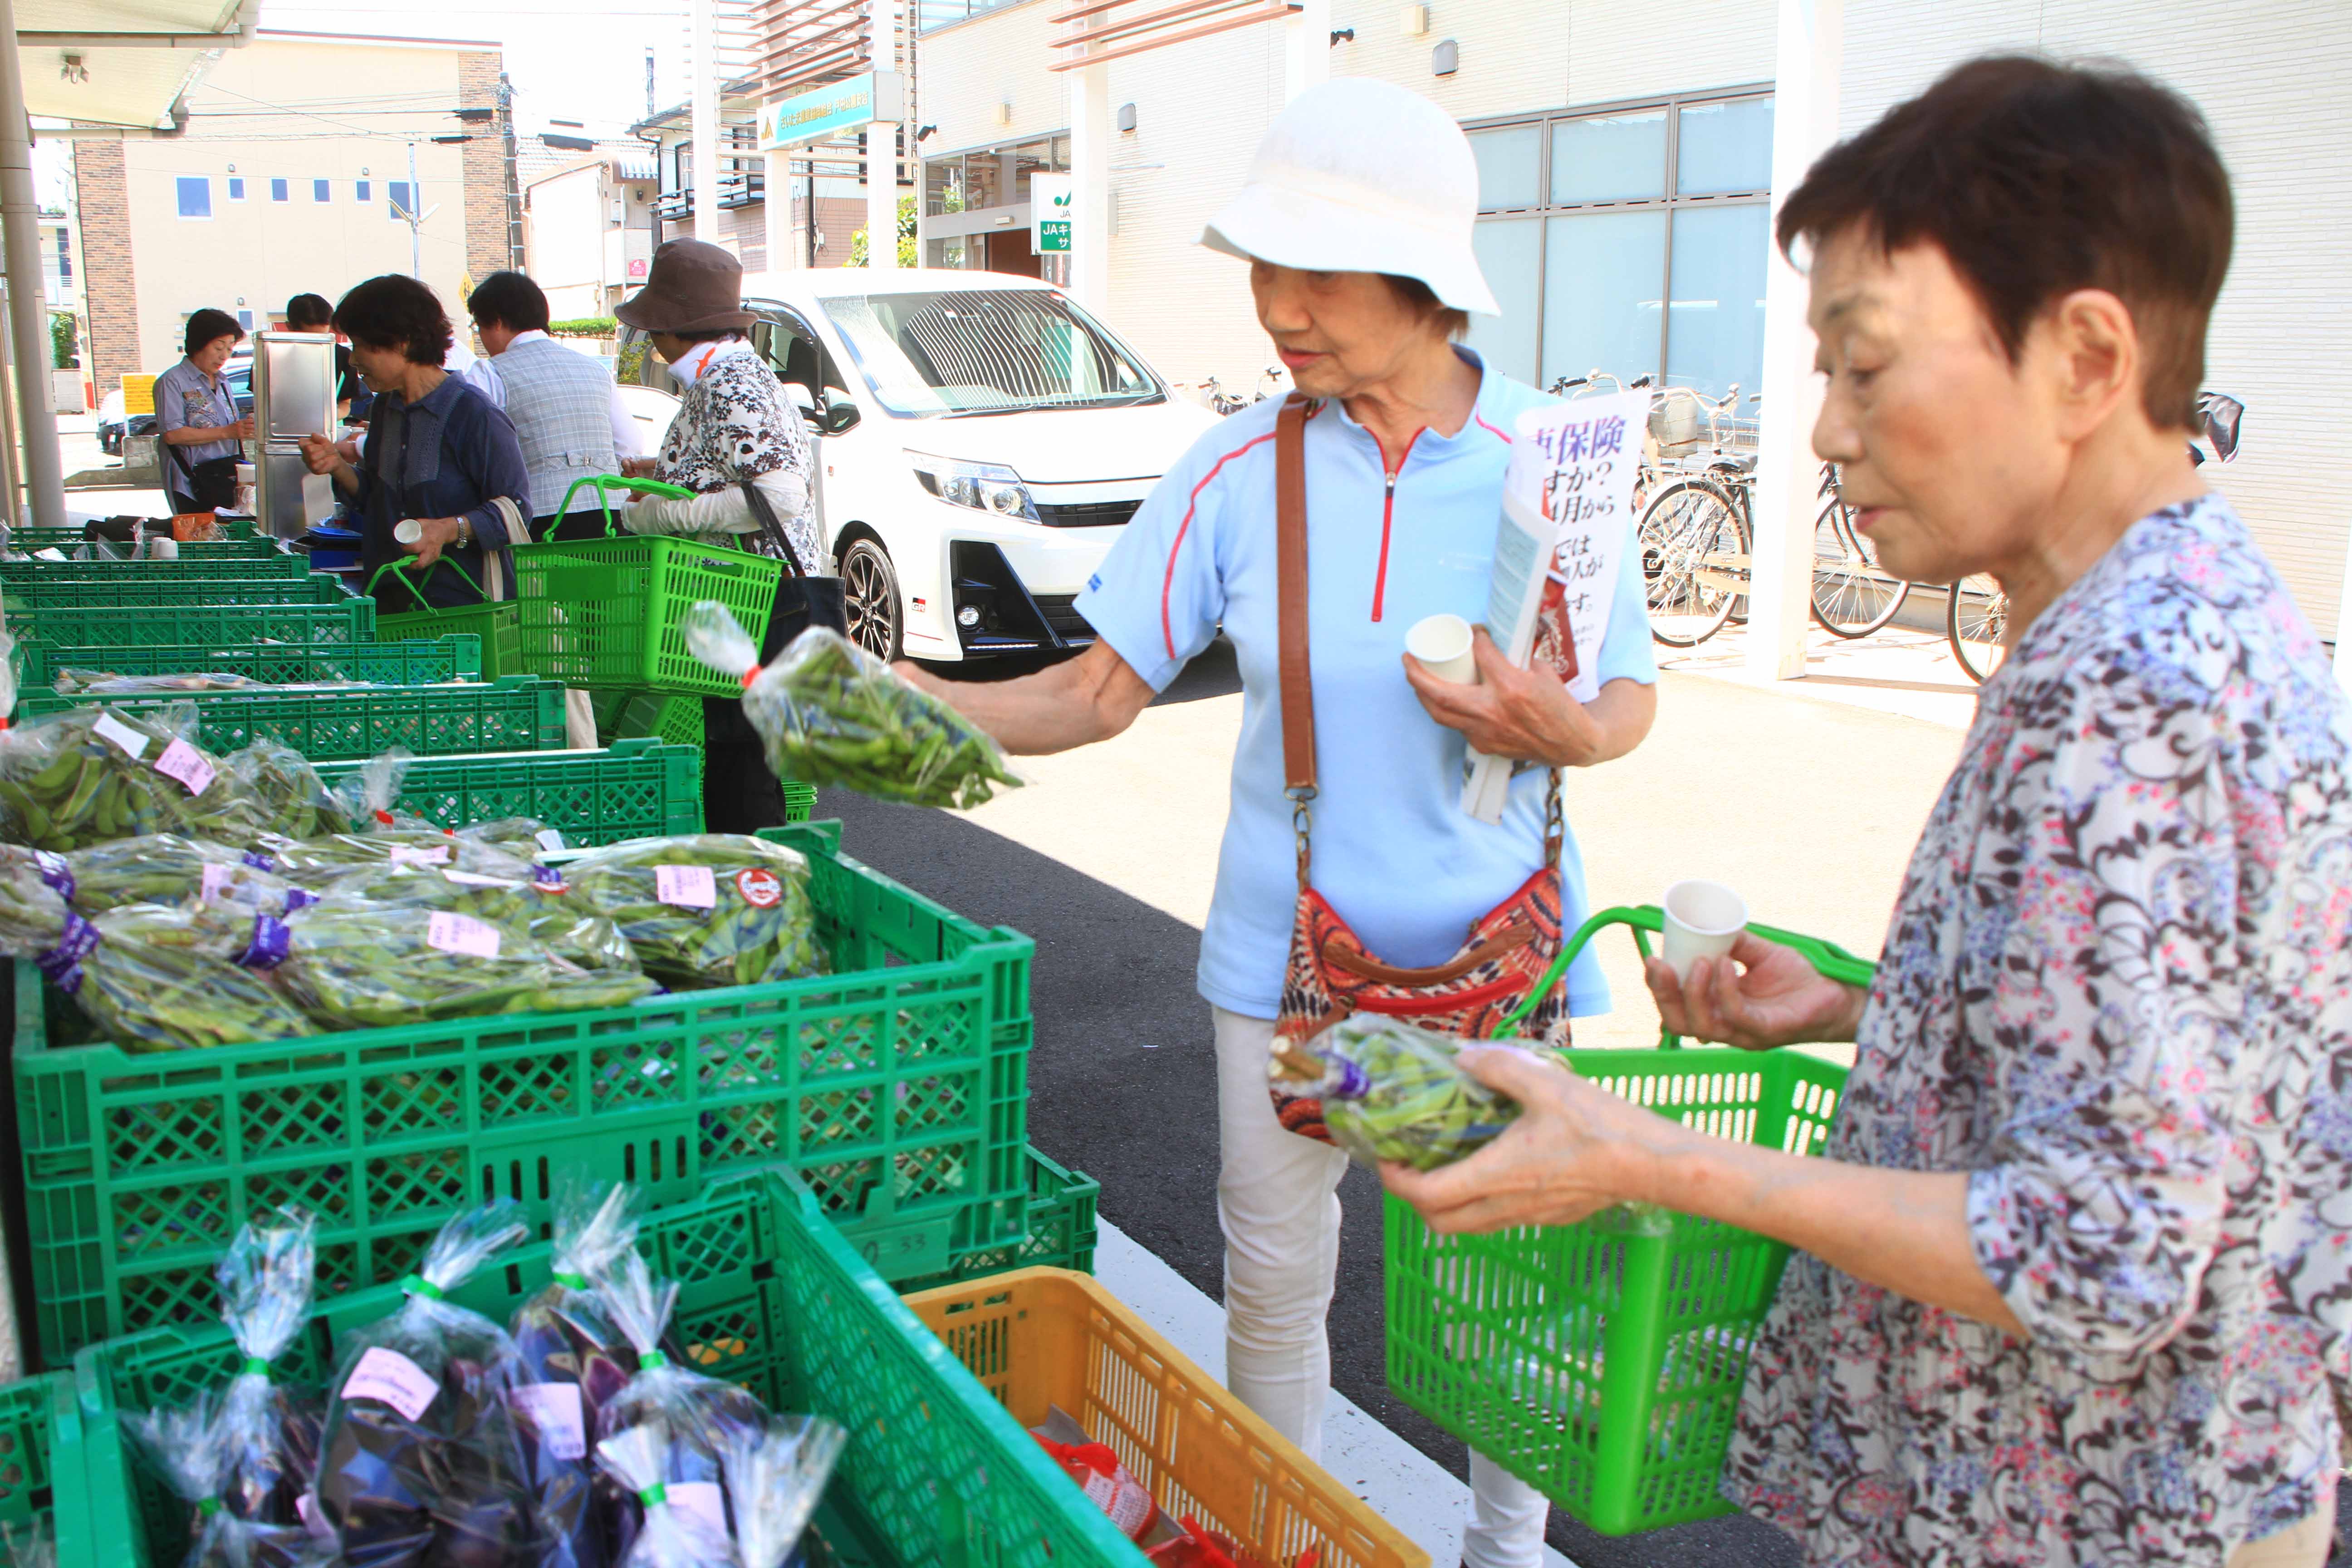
(293, 396)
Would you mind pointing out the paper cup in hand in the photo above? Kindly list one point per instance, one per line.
(1442, 643)
(407, 530)
(1703, 920)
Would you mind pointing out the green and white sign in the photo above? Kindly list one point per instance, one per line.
(810, 117)
(1049, 214)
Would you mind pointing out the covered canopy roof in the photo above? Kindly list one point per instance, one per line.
(120, 62)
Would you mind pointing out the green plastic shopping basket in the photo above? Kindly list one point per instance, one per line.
(492, 620)
(607, 612)
(1603, 1363)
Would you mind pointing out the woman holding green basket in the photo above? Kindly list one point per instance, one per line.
(2074, 1284)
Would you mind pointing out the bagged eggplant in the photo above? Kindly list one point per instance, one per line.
(348, 963)
(1390, 1090)
(681, 1525)
(165, 869)
(775, 1476)
(192, 1449)
(148, 978)
(574, 1360)
(830, 713)
(701, 1413)
(541, 906)
(706, 909)
(266, 1276)
(421, 1467)
(87, 775)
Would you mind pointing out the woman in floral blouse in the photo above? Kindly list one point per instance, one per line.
(2075, 1274)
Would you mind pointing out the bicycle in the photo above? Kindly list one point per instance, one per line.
(1853, 595)
(1975, 609)
(1220, 400)
(1696, 528)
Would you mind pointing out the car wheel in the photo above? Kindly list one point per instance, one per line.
(869, 586)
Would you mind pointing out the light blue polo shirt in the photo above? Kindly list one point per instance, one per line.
(1393, 851)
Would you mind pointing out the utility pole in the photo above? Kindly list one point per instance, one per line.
(416, 215)
(651, 110)
(28, 311)
(514, 190)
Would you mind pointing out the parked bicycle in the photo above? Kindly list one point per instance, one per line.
(1976, 613)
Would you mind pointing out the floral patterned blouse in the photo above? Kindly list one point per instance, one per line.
(735, 423)
(2116, 991)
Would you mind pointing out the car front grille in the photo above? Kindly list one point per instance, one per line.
(1086, 514)
(1061, 612)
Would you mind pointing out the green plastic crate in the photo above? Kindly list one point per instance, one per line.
(41, 1464)
(348, 621)
(606, 612)
(1063, 1229)
(664, 717)
(188, 569)
(898, 1087)
(714, 1246)
(632, 789)
(418, 662)
(29, 601)
(32, 537)
(1603, 1363)
(518, 715)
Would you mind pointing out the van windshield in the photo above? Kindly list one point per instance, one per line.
(947, 352)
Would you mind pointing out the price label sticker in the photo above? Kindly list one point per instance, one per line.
(470, 879)
(183, 762)
(687, 887)
(214, 880)
(703, 1500)
(461, 935)
(109, 727)
(554, 1411)
(392, 1377)
(761, 889)
(549, 840)
(402, 854)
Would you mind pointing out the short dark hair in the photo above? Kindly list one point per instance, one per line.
(395, 312)
(510, 300)
(1419, 296)
(205, 325)
(305, 311)
(2037, 179)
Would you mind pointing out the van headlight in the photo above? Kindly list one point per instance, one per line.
(990, 488)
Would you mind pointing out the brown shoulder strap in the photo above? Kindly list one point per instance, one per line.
(1290, 556)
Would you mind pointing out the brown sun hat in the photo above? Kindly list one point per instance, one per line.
(692, 286)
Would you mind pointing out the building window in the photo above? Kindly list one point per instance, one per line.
(65, 256)
(245, 320)
(1632, 240)
(196, 196)
(236, 188)
(398, 206)
(279, 191)
(931, 14)
(322, 190)
(363, 190)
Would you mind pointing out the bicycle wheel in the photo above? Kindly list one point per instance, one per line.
(1975, 617)
(1853, 595)
(1694, 560)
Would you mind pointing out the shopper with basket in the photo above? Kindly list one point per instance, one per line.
(2078, 1285)
(1315, 534)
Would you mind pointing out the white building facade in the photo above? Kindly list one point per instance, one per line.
(1625, 166)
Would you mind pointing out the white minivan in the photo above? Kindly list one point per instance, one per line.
(980, 441)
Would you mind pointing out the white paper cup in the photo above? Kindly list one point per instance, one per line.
(407, 530)
(1703, 920)
(1442, 643)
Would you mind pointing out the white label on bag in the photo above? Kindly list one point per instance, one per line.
(108, 727)
(687, 887)
(462, 934)
(469, 879)
(549, 840)
(215, 878)
(393, 1378)
(401, 855)
(702, 1499)
(554, 1411)
(183, 762)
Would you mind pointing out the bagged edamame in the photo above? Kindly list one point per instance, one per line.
(288, 797)
(166, 869)
(830, 713)
(1390, 1090)
(706, 909)
(87, 775)
(541, 907)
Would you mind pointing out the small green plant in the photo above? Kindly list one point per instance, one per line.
(64, 341)
(908, 255)
(584, 327)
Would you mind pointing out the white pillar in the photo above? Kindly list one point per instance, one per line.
(1804, 123)
(1090, 137)
(783, 238)
(1306, 48)
(703, 53)
(882, 144)
(2344, 622)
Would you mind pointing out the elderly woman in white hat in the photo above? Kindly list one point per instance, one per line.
(1356, 223)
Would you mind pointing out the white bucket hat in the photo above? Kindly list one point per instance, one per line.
(1362, 175)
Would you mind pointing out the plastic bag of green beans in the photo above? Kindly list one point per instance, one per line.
(309, 859)
(287, 796)
(830, 713)
(149, 978)
(165, 869)
(707, 909)
(348, 963)
(544, 908)
(1391, 1091)
(87, 775)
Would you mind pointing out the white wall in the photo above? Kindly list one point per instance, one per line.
(2266, 73)
(564, 220)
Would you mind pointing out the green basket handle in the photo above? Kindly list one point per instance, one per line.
(1828, 957)
(607, 483)
(400, 566)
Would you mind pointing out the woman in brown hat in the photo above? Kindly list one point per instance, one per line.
(740, 447)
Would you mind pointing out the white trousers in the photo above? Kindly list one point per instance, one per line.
(1278, 1204)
